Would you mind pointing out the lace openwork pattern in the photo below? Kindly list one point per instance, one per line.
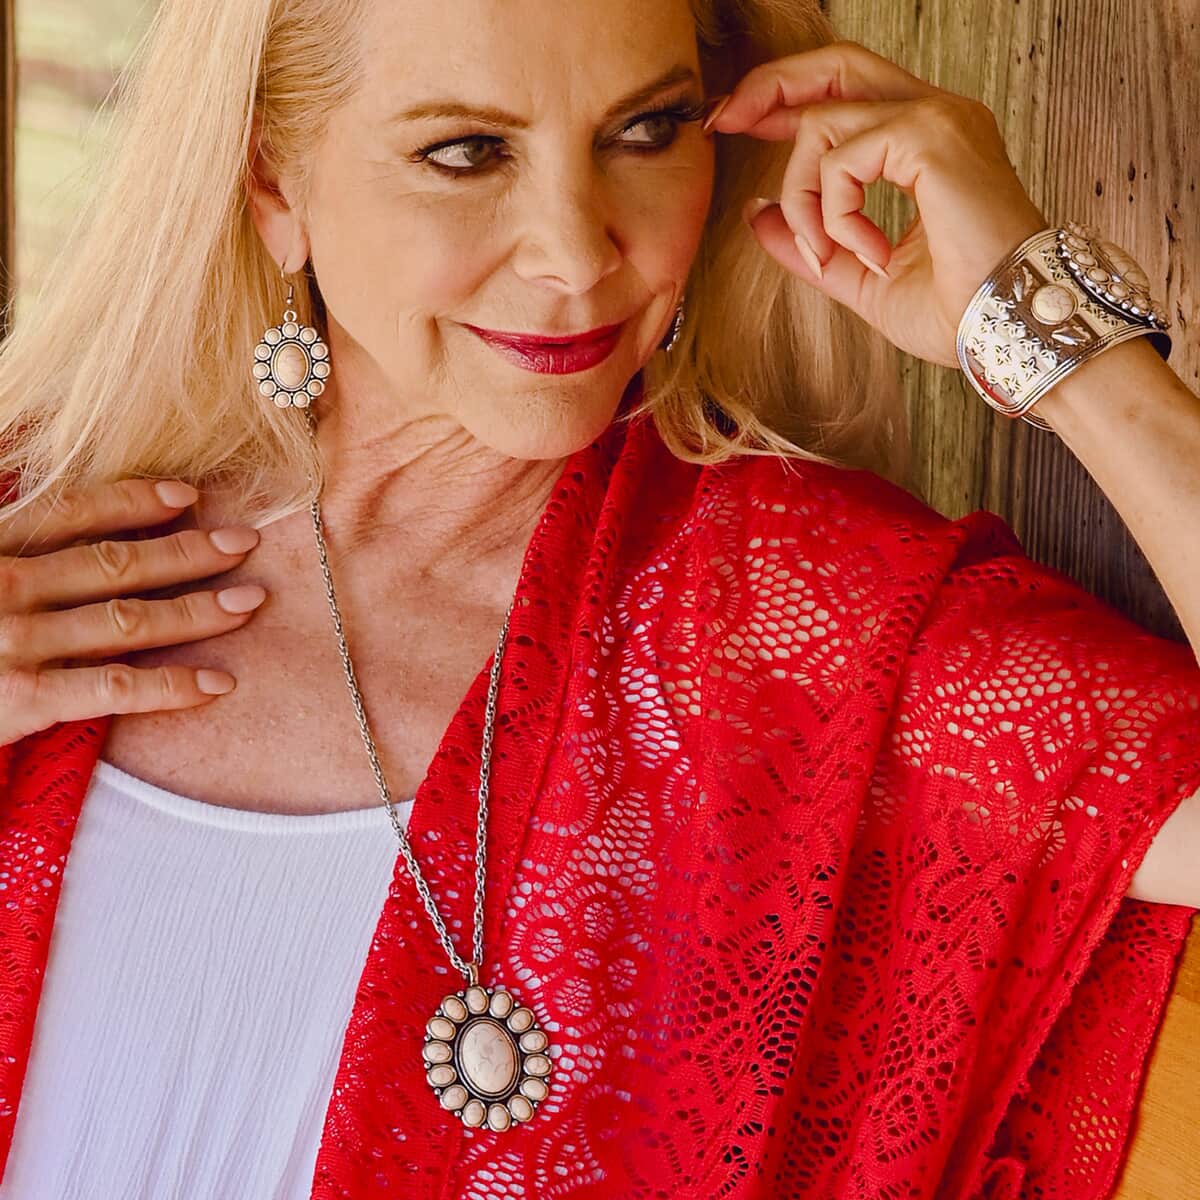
(812, 815)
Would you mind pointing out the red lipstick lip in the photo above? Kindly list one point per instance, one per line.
(549, 357)
(533, 339)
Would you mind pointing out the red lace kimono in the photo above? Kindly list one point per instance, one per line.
(812, 815)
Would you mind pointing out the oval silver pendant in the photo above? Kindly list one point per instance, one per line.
(486, 1058)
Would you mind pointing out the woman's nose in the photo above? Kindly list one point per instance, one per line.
(570, 237)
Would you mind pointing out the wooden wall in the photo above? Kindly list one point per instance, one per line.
(1099, 102)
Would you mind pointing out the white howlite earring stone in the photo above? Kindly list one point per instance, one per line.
(290, 366)
(291, 363)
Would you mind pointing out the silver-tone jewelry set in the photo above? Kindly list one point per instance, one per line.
(1059, 298)
(485, 1055)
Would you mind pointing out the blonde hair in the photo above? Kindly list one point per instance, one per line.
(133, 357)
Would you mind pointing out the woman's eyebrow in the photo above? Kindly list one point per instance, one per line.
(679, 73)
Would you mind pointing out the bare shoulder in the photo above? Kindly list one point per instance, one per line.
(1170, 872)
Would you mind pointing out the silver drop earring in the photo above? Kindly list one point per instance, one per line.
(672, 334)
(291, 363)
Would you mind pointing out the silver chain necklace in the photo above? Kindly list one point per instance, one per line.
(485, 1055)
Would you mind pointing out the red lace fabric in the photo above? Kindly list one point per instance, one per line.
(812, 815)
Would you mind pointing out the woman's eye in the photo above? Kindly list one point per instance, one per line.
(462, 146)
(475, 155)
(668, 122)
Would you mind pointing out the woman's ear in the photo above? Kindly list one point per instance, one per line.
(278, 223)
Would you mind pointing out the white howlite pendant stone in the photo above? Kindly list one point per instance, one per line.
(441, 1028)
(482, 1058)
(442, 1075)
(488, 1058)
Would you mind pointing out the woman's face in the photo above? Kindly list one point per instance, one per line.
(580, 208)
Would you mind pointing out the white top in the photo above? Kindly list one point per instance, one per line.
(201, 973)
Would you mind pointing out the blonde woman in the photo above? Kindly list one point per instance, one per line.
(628, 790)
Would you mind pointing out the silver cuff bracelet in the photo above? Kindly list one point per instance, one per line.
(1062, 296)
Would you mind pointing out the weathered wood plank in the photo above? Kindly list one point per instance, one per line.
(1099, 101)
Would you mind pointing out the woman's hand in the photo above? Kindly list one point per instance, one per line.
(856, 117)
(46, 618)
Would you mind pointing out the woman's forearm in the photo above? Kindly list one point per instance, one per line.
(1136, 428)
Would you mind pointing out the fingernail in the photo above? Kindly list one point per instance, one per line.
(716, 112)
(241, 599)
(234, 541)
(754, 206)
(214, 683)
(176, 493)
(871, 266)
(810, 256)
